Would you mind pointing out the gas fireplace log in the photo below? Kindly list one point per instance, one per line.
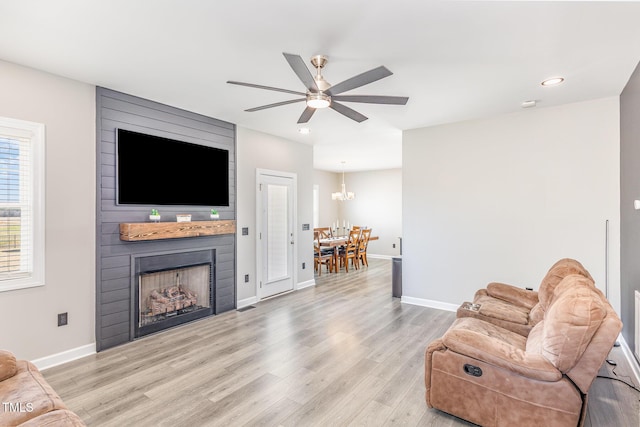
(170, 300)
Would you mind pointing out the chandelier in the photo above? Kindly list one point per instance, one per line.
(343, 194)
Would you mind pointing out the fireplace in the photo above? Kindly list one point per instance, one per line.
(171, 289)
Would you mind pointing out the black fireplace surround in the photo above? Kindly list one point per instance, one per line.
(153, 263)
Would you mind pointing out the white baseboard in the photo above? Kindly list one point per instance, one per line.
(254, 299)
(635, 366)
(389, 257)
(306, 284)
(246, 302)
(65, 356)
(429, 303)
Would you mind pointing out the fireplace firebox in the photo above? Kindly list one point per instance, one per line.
(171, 289)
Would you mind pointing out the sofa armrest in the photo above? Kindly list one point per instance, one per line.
(57, 418)
(513, 294)
(499, 353)
(7, 365)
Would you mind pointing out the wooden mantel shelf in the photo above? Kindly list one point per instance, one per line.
(141, 231)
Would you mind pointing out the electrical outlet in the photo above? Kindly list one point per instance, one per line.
(304, 265)
(62, 319)
(246, 278)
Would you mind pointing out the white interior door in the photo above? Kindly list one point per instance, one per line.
(277, 242)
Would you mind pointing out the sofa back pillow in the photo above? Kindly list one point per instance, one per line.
(554, 276)
(573, 317)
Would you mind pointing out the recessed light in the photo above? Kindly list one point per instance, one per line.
(528, 104)
(552, 81)
(304, 131)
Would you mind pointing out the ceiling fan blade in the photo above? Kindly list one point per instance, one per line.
(360, 80)
(297, 63)
(346, 111)
(267, 88)
(277, 104)
(306, 115)
(372, 99)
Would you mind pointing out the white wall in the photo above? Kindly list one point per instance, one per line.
(327, 182)
(256, 150)
(378, 205)
(29, 316)
(502, 199)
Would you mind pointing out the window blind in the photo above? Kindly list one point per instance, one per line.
(21, 206)
(16, 211)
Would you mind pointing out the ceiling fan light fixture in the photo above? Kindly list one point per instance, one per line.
(318, 100)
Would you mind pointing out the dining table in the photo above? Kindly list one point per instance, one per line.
(336, 242)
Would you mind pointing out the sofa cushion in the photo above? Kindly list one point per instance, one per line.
(503, 310)
(575, 314)
(26, 395)
(7, 365)
(554, 276)
(534, 339)
(536, 314)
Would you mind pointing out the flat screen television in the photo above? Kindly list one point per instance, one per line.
(151, 170)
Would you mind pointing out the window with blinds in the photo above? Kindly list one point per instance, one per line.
(21, 204)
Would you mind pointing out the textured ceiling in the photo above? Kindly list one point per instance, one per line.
(454, 60)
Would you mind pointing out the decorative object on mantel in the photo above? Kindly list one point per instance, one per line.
(343, 195)
(141, 231)
(214, 214)
(183, 218)
(155, 216)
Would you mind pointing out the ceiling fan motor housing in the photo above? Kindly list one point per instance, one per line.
(319, 61)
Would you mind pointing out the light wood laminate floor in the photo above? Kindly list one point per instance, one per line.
(341, 353)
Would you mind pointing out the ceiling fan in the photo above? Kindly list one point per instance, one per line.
(321, 94)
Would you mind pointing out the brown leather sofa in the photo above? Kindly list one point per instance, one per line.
(518, 309)
(26, 399)
(492, 376)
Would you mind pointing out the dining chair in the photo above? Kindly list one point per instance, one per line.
(350, 251)
(362, 246)
(321, 258)
(325, 232)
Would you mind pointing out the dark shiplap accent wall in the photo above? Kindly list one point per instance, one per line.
(629, 191)
(113, 265)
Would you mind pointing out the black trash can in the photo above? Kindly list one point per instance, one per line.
(396, 276)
